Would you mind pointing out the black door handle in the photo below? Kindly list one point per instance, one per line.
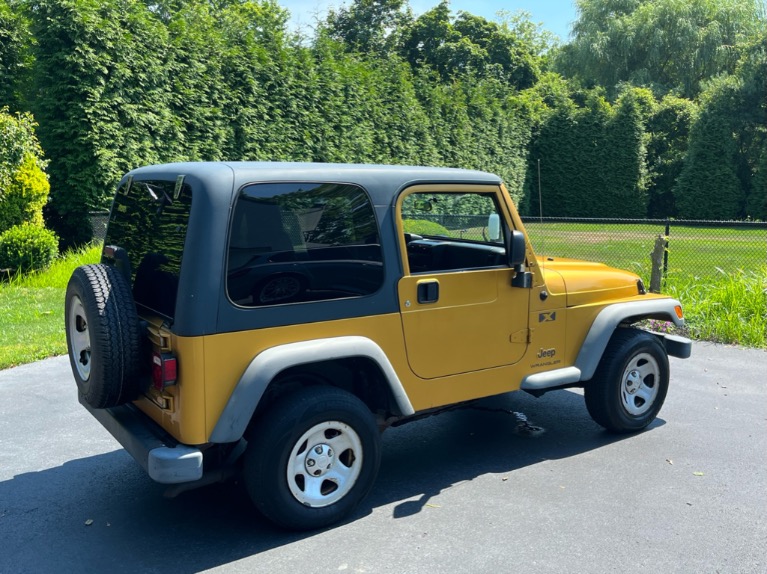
(428, 292)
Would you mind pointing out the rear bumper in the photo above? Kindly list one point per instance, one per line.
(164, 460)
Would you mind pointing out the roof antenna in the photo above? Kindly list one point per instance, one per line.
(540, 215)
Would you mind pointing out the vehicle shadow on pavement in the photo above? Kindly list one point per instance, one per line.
(102, 513)
(434, 454)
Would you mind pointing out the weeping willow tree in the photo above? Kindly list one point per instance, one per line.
(669, 45)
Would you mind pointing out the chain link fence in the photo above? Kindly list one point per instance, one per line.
(99, 220)
(693, 248)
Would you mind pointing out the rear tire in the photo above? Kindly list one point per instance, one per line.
(630, 384)
(312, 458)
(103, 336)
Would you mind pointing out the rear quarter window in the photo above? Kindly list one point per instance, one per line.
(302, 242)
(145, 239)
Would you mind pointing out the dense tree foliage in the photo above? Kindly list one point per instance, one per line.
(723, 175)
(115, 84)
(14, 54)
(668, 130)
(664, 44)
(469, 45)
(574, 142)
(369, 26)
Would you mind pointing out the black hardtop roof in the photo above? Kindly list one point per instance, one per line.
(381, 181)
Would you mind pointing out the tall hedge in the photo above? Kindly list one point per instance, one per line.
(668, 128)
(185, 81)
(592, 159)
(101, 98)
(625, 172)
(709, 186)
(15, 59)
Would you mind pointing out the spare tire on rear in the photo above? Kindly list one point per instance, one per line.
(103, 336)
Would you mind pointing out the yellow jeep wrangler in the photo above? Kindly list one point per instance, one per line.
(270, 320)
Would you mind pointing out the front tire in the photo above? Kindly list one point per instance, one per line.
(630, 384)
(312, 458)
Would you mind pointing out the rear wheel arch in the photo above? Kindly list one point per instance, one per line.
(354, 364)
(359, 376)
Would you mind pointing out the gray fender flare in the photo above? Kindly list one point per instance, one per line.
(266, 365)
(598, 337)
(608, 320)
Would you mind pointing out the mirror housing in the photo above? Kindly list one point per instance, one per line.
(515, 249)
(516, 252)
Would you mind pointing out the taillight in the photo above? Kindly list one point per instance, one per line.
(164, 370)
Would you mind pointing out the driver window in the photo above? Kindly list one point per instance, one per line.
(452, 231)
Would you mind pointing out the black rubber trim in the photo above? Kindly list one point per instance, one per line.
(136, 432)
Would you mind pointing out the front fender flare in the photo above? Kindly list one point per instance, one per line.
(608, 320)
(266, 365)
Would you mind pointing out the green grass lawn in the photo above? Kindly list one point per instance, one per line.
(33, 324)
(701, 252)
(32, 311)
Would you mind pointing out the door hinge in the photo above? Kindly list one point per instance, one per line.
(523, 336)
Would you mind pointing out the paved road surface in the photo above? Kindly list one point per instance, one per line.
(458, 493)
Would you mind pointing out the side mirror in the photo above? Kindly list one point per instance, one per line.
(515, 249)
(494, 227)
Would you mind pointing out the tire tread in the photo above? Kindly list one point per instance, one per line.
(115, 335)
(602, 392)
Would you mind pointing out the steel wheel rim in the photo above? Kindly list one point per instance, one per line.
(324, 464)
(640, 384)
(79, 338)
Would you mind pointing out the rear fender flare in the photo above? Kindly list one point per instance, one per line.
(268, 364)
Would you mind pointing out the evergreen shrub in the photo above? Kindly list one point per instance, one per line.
(25, 248)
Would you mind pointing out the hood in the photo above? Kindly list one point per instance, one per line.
(587, 282)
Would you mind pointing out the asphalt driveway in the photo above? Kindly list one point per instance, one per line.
(461, 492)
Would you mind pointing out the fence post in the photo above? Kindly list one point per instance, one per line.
(656, 259)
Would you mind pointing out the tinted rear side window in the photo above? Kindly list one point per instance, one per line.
(300, 242)
(145, 238)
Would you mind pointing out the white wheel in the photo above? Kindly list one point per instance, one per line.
(324, 464)
(79, 338)
(640, 384)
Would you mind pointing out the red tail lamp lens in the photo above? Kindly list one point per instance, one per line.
(164, 370)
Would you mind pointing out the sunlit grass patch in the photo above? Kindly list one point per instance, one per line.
(32, 310)
(726, 308)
